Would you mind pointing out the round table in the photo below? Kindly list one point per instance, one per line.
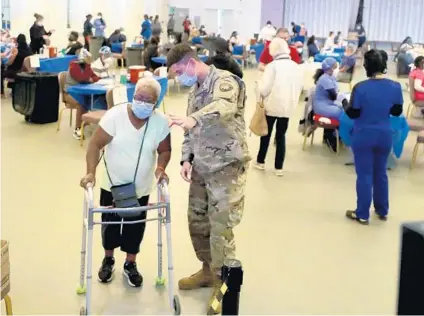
(80, 92)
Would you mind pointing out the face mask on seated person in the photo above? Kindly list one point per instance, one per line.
(142, 110)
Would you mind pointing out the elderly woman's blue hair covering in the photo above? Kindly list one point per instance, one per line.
(328, 63)
(105, 50)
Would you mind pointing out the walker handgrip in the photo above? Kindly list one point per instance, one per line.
(163, 190)
(89, 196)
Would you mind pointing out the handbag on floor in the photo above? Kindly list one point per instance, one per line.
(258, 124)
(125, 195)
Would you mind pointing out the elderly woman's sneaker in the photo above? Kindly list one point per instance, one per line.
(134, 278)
(279, 172)
(105, 274)
(352, 215)
(77, 133)
(260, 166)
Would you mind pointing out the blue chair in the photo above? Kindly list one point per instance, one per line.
(196, 40)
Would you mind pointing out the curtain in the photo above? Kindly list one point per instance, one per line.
(354, 13)
(210, 20)
(394, 20)
(320, 16)
(227, 23)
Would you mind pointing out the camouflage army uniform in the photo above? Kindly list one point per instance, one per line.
(218, 150)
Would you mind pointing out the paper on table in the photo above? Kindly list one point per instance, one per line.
(34, 61)
(105, 82)
(120, 95)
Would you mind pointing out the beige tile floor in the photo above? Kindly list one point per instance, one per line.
(301, 256)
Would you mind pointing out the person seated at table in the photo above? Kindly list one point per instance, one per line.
(74, 46)
(234, 40)
(372, 135)
(347, 65)
(329, 42)
(101, 66)
(202, 31)
(136, 142)
(117, 37)
(418, 76)
(151, 51)
(326, 94)
(338, 39)
(223, 59)
(312, 47)
(15, 60)
(79, 72)
(38, 34)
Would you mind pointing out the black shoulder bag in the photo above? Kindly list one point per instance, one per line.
(125, 195)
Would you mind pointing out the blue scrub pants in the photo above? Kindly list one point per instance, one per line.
(371, 149)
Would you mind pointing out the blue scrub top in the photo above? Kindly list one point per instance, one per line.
(99, 31)
(375, 106)
(146, 29)
(322, 103)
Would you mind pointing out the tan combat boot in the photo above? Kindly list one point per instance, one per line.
(202, 278)
(214, 307)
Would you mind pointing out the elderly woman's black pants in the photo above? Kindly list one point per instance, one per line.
(129, 236)
(280, 141)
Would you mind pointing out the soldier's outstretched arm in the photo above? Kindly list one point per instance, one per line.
(224, 102)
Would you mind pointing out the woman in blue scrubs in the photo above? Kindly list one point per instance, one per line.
(326, 94)
(371, 103)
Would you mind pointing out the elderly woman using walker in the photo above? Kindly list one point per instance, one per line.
(136, 143)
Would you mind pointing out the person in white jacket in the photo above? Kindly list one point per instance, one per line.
(280, 87)
(101, 66)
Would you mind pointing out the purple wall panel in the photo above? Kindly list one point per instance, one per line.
(272, 10)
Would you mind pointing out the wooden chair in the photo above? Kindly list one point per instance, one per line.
(414, 103)
(94, 117)
(322, 122)
(120, 56)
(420, 141)
(65, 100)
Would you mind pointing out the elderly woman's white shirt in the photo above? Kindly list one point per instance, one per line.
(122, 152)
(281, 86)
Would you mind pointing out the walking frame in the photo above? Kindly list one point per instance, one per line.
(164, 218)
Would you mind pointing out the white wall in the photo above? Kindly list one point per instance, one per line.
(122, 13)
(245, 17)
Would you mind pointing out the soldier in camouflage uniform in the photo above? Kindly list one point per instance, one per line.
(214, 160)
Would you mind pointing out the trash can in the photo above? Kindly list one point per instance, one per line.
(96, 42)
(36, 96)
(134, 56)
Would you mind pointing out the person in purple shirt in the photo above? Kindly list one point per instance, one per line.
(347, 65)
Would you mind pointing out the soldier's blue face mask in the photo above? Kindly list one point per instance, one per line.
(187, 80)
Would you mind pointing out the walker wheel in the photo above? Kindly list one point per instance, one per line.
(177, 306)
(160, 281)
(82, 311)
(81, 290)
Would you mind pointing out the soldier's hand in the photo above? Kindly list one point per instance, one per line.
(185, 122)
(186, 171)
